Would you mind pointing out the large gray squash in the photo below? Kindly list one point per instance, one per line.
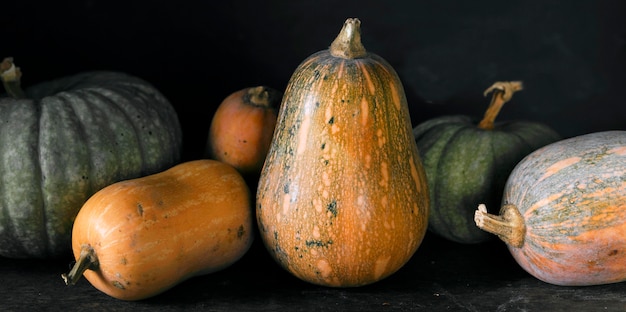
(63, 140)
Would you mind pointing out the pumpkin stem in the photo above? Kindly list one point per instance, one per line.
(503, 92)
(10, 75)
(508, 226)
(263, 96)
(348, 43)
(86, 261)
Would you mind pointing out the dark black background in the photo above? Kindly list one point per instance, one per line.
(571, 56)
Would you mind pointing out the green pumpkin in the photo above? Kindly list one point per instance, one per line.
(63, 140)
(467, 163)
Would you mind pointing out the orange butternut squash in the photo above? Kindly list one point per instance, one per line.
(242, 128)
(564, 211)
(342, 199)
(137, 238)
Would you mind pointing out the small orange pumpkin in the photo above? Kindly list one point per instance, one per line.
(242, 127)
(342, 199)
(564, 211)
(137, 238)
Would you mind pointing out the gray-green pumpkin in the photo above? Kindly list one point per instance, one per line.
(467, 163)
(63, 140)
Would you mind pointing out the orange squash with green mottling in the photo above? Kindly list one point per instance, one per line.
(342, 199)
(138, 238)
(564, 211)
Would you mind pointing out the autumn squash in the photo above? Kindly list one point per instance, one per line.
(242, 127)
(563, 215)
(62, 140)
(342, 199)
(467, 162)
(137, 238)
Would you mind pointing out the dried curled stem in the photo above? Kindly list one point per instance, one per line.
(86, 261)
(502, 93)
(263, 96)
(11, 76)
(508, 226)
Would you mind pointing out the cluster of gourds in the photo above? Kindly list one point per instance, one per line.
(347, 189)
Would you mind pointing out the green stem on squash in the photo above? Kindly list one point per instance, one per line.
(10, 76)
(502, 93)
(348, 43)
(86, 261)
(508, 226)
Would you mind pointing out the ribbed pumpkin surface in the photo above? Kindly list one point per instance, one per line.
(342, 199)
(467, 165)
(68, 139)
(572, 196)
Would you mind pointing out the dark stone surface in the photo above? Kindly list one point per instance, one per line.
(441, 276)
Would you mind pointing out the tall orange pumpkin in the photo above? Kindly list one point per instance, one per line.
(342, 198)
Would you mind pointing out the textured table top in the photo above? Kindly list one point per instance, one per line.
(441, 276)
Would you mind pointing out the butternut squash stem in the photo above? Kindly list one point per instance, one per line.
(348, 43)
(86, 261)
(502, 93)
(508, 226)
(11, 75)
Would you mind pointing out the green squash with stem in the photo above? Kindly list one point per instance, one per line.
(467, 162)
